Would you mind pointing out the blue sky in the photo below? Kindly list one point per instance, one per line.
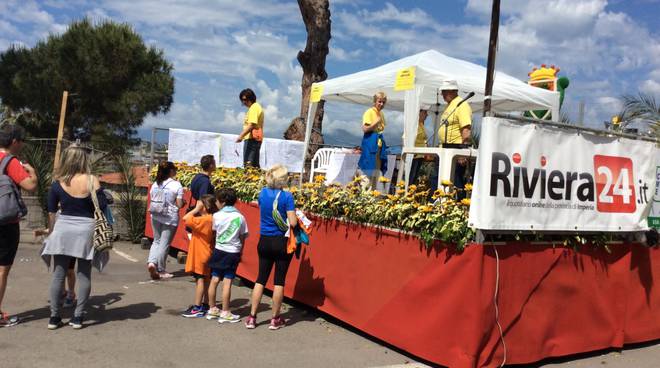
(606, 48)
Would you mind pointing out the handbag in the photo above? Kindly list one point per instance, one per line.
(102, 240)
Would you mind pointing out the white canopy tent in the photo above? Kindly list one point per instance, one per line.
(433, 72)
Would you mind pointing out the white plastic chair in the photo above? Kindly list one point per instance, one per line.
(320, 162)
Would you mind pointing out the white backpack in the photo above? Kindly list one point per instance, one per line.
(158, 204)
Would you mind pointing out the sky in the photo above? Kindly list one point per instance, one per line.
(606, 49)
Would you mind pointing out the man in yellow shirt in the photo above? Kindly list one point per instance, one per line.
(253, 128)
(456, 130)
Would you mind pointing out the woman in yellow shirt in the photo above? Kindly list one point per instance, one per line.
(420, 141)
(373, 145)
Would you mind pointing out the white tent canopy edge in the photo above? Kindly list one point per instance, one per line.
(433, 71)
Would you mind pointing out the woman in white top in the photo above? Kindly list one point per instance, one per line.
(166, 199)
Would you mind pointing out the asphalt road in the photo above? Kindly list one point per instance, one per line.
(135, 322)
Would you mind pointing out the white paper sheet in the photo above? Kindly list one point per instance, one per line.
(190, 145)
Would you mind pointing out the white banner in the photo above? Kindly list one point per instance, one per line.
(190, 145)
(534, 177)
(654, 216)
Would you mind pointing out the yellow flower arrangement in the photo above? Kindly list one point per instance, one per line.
(408, 211)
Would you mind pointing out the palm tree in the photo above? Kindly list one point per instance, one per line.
(642, 108)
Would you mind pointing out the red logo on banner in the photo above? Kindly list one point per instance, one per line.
(615, 186)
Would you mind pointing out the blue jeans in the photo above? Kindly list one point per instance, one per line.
(163, 235)
(414, 169)
(251, 148)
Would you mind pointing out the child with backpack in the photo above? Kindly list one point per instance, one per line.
(166, 198)
(200, 221)
(231, 230)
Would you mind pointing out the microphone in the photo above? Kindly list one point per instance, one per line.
(469, 96)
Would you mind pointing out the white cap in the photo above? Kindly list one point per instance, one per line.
(449, 85)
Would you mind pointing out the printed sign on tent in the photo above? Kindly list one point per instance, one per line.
(533, 177)
(316, 92)
(405, 79)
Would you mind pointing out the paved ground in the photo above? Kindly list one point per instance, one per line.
(133, 322)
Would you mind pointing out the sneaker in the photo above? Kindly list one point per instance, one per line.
(228, 317)
(251, 322)
(8, 321)
(276, 323)
(213, 313)
(152, 271)
(55, 323)
(165, 275)
(194, 311)
(205, 307)
(76, 323)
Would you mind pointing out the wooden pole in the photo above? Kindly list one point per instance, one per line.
(492, 52)
(60, 131)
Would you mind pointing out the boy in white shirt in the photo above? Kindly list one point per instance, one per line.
(231, 230)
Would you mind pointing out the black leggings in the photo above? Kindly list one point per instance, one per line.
(272, 249)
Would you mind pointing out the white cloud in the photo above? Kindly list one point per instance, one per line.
(221, 47)
(651, 87)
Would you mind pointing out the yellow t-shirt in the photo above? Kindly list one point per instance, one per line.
(370, 117)
(420, 139)
(458, 120)
(254, 115)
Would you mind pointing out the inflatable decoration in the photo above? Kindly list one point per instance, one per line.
(545, 77)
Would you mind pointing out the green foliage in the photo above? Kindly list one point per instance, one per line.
(644, 108)
(131, 204)
(35, 154)
(114, 79)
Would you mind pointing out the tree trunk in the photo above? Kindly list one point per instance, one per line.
(316, 15)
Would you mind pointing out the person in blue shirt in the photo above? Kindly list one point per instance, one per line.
(201, 182)
(276, 206)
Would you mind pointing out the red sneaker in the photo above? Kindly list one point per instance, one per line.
(276, 323)
(250, 322)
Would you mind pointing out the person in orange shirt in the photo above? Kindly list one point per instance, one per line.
(199, 252)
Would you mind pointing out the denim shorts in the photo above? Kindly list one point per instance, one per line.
(224, 264)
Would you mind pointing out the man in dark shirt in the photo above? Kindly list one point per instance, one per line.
(201, 183)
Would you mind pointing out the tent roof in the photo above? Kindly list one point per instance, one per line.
(433, 70)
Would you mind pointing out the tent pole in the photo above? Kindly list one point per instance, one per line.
(436, 120)
(492, 53)
(311, 112)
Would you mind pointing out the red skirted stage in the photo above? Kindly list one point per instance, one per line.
(438, 305)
